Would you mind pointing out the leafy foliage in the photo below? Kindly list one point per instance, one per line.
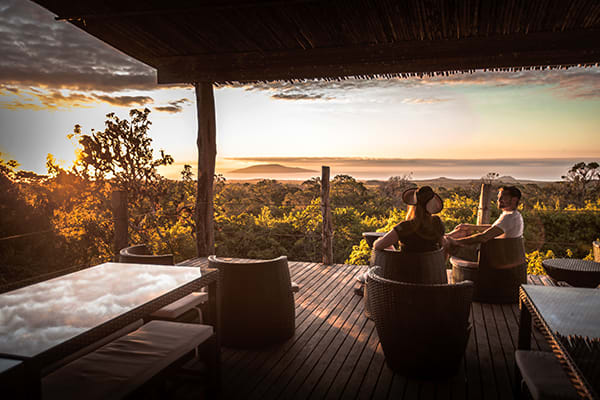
(262, 220)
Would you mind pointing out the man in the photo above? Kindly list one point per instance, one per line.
(508, 225)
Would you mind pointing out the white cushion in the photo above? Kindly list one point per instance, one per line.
(120, 367)
(181, 306)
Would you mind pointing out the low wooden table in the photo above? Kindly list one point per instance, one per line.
(565, 314)
(579, 273)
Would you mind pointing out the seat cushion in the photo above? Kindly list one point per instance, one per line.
(89, 348)
(120, 367)
(544, 376)
(178, 308)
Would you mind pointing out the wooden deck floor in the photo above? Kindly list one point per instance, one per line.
(335, 352)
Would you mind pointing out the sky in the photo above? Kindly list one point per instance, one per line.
(528, 124)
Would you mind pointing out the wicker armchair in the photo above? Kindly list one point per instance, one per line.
(423, 328)
(403, 266)
(501, 269)
(256, 301)
(141, 254)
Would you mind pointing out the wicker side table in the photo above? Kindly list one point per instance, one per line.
(579, 273)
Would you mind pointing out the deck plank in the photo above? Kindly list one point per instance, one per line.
(335, 352)
(501, 370)
(313, 350)
(485, 358)
(362, 367)
(267, 366)
(315, 316)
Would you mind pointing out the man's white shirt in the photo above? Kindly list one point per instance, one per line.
(511, 223)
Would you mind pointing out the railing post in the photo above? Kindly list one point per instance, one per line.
(206, 143)
(119, 210)
(483, 212)
(327, 226)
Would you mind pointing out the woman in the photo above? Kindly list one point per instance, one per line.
(421, 231)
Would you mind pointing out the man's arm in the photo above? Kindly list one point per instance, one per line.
(463, 230)
(490, 233)
(472, 229)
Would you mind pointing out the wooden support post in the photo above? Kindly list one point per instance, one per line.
(483, 212)
(119, 210)
(207, 151)
(327, 226)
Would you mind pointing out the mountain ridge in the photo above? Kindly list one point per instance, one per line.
(270, 168)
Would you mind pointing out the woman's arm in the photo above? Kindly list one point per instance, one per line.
(389, 239)
(481, 237)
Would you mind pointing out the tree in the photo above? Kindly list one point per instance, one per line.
(348, 192)
(394, 187)
(119, 157)
(490, 177)
(121, 153)
(581, 177)
(29, 244)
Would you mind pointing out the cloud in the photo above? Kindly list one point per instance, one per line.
(124, 101)
(299, 96)
(174, 107)
(36, 99)
(572, 83)
(414, 100)
(47, 100)
(39, 51)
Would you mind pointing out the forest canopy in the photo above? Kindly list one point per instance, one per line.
(64, 218)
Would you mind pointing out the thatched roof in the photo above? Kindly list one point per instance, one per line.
(249, 40)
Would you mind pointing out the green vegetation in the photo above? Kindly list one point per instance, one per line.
(65, 216)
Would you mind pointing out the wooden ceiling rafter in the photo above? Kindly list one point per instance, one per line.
(405, 57)
(266, 40)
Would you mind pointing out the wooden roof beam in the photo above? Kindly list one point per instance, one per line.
(200, 8)
(533, 49)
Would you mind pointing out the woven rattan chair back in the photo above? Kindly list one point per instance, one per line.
(423, 328)
(141, 254)
(256, 301)
(502, 269)
(403, 266)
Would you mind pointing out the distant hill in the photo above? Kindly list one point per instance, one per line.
(448, 183)
(271, 169)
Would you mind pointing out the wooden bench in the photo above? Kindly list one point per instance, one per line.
(124, 365)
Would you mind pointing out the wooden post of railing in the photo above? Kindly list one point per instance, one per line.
(327, 228)
(119, 209)
(206, 143)
(483, 212)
